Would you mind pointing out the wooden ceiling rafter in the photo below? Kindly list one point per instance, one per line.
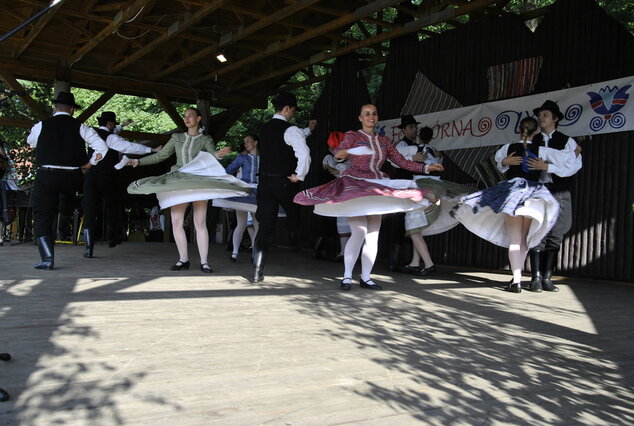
(36, 29)
(170, 110)
(176, 28)
(118, 20)
(409, 27)
(15, 85)
(91, 109)
(232, 38)
(319, 30)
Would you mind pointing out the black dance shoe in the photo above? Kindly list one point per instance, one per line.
(514, 288)
(426, 271)
(206, 268)
(409, 269)
(233, 257)
(346, 284)
(180, 265)
(369, 284)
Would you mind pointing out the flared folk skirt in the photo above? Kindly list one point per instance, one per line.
(349, 196)
(203, 178)
(483, 212)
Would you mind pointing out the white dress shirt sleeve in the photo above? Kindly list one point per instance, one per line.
(564, 162)
(94, 141)
(306, 131)
(117, 143)
(294, 137)
(407, 151)
(34, 135)
(500, 155)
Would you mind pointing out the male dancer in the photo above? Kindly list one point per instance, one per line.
(558, 179)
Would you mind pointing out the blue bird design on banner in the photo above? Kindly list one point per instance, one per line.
(609, 100)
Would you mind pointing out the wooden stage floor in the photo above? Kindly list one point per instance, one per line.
(119, 339)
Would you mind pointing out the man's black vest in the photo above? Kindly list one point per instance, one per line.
(402, 173)
(516, 171)
(276, 157)
(557, 141)
(60, 143)
(106, 165)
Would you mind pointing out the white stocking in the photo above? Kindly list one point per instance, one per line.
(516, 258)
(358, 229)
(238, 232)
(202, 236)
(178, 218)
(371, 247)
(421, 249)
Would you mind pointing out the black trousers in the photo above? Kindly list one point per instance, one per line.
(274, 191)
(555, 237)
(50, 184)
(101, 186)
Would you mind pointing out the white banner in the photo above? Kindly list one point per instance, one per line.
(588, 110)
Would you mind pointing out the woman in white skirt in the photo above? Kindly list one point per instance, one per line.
(195, 178)
(248, 165)
(518, 212)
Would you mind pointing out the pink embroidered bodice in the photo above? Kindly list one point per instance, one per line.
(369, 166)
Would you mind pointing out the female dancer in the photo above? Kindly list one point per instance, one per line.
(196, 177)
(363, 193)
(436, 218)
(248, 164)
(527, 208)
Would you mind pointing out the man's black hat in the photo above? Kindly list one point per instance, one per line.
(549, 106)
(107, 116)
(286, 98)
(66, 98)
(407, 119)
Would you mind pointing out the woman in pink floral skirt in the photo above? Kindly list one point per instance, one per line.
(363, 193)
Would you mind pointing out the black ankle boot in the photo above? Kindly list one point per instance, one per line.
(88, 243)
(258, 265)
(45, 247)
(550, 260)
(536, 273)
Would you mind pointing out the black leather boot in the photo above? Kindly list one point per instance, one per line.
(258, 265)
(550, 260)
(536, 270)
(45, 247)
(293, 237)
(111, 236)
(89, 244)
(317, 248)
(395, 258)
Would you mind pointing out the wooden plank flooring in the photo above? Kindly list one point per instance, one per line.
(119, 339)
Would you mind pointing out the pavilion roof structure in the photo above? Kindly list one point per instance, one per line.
(166, 49)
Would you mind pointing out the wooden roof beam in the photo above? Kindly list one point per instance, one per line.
(101, 101)
(273, 48)
(409, 27)
(173, 30)
(227, 39)
(36, 29)
(15, 85)
(336, 12)
(33, 70)
(119, 19)
(535, 13)
(170, 110)
(16, 122)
